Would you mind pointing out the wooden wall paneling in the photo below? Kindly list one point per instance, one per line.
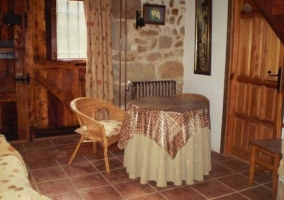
(39, 31)
(55, 106)
(257, 50)
(39, 53)
(254, 109)
(4, 28)
(31, 57)
(41, 103)
(232, 125)
(8, 108)
(273, 12)
(29, 62)
(12, 9)
(242, 94)
(10, 125)
(245, 47)
(7, 77)
(81, 75)
(253, 132)
(41, 94)
(21, 87)
(270, 96)
(55, 112)
(72, 88)
(272, 47)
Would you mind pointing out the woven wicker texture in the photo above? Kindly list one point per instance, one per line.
(89, 112)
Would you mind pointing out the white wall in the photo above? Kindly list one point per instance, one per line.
(210, 86)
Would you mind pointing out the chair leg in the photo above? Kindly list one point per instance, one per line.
(94, 147)
(106, 160)
(76, 149)
(252, 166)
(275, 176)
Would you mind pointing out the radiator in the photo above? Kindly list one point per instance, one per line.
(152, 88)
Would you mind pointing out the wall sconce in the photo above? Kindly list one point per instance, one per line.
(139, 20)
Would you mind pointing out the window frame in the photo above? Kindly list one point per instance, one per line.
(51, 31)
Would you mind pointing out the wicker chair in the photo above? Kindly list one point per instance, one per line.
(193, 96)
(100, 122)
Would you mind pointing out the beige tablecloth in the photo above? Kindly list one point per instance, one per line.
(167, 120)
(166, 139)
(144, 158)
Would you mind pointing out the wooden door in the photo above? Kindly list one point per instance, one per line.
(13, 99)
(253, 98)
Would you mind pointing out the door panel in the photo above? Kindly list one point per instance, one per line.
(8, 108)
(253, 93)
(13, 101)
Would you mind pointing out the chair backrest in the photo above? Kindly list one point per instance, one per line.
(193, 96)
(90, 111)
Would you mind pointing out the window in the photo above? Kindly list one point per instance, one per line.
(67, 28)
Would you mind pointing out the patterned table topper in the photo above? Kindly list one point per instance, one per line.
(171, 122)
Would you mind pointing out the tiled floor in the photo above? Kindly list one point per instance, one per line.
(86, 179)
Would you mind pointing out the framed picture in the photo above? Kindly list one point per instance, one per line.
(203, 21)
(154, 14)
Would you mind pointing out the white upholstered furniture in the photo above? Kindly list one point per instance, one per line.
(14, 182)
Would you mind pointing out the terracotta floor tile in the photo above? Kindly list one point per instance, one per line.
(219, 170)
(77, 169)
(219, 157)
(206, 178)
(67, 196)
(134, 188)
(212, 189)
(234, 196)
(120, 158)
(48, 174)
(170, 185)
(261, 177)
(257, 193)
(56, 187)
(89, 181)
(236, 165)
(113, 162)
(236, 182)
(38, 144)
(77, 159)
(85, 178)
(155, 196)
(101, 193)
(43, 153)
(182, 193)
(113, 149)
(65, 140)
(44, 163)
(18, 146)
(268, 185)
(85, 148)
(117, 176)
(99, 155)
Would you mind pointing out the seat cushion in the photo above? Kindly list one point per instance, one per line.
(112, 127)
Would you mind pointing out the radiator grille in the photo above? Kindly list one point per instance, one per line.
(152, 88)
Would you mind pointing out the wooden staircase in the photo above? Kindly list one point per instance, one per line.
(273, 11)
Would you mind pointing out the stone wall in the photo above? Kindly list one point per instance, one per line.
(153, 52)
